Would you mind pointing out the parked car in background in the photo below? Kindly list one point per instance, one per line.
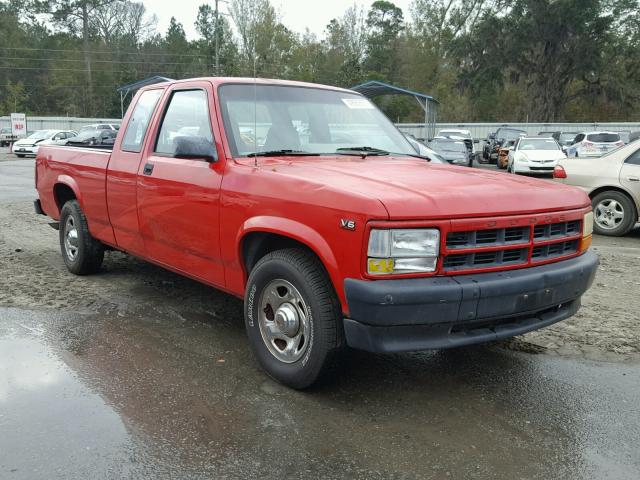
(423, 150)
(612, 183)
(30, 145)
(499, 138)
(503, 154)
(6, 137)
(93, 137)
(593, 144)
(453, 151)
(555, 134)
(457, 134)
(625, 136)
(101, 126)
(535, 156)
(566, 138)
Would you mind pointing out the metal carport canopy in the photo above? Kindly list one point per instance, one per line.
(375, 88)
(132, 87)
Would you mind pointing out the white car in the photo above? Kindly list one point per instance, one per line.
(31, 144)
(535, 155)
(101, 126)
(594, 144)
(458, 134)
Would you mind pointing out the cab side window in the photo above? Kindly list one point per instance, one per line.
(139, 121)
(578, 138)
(186, 116)
(634, 158)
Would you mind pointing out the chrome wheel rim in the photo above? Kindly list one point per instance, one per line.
(609, 214)
(71, 239)
(284, 321)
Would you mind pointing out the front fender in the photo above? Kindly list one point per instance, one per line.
(292, 229)
(297, 231)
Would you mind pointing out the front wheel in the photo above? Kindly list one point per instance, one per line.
(613, 213)
(293, 317)
(82, 253)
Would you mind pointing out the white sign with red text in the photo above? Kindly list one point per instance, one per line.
(19, 124)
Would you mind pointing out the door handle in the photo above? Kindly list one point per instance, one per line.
(633, 179)
(148, 169)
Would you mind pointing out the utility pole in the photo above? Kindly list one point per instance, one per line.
(216, 47)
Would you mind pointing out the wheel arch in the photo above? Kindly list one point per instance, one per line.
(262, 235)
(64, 189)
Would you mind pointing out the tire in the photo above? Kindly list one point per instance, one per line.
(82, 254)
(286, 284)
(614, 213)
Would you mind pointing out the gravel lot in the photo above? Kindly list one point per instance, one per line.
(33, 275)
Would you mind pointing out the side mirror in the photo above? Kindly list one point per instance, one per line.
(195, 147)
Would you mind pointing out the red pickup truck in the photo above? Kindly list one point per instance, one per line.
(307, 202)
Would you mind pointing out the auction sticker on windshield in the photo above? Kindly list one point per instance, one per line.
(358, 103)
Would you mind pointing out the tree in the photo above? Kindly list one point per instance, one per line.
(74, 15)
(384, 23)
(217, 39)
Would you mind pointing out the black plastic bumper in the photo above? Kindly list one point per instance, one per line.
(445, 312)
(37, 206)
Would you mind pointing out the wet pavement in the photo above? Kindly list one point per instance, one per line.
(96, 396)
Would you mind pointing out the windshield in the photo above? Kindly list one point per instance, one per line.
(568, 136)
(447, 146)
(40, 134)
(454, 133)
(264, 118)
(603, 137)
(83, 135)
(531, 144)
(509, 134)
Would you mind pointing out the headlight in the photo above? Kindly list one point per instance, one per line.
(403, 251)
(587, 231)
(587, 224)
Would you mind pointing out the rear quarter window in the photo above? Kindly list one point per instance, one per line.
(139, 121)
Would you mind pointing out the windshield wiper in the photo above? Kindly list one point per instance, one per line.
(361, 151)
(276, 153)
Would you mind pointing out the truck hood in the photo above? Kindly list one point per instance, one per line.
(415, 189)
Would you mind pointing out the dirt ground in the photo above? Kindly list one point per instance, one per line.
(32, 275)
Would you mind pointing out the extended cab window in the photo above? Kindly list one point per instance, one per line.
(139, 121)
(186, 115)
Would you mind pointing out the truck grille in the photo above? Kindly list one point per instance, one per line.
(510, 247)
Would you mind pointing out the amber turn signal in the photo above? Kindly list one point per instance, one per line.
(585, 243)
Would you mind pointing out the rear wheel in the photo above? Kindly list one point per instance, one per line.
(82, 254)
(613, 213)
(292, 317)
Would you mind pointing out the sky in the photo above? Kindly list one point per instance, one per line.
(296, 14)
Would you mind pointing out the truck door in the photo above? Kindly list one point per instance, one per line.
(178, 199)
(122, 172)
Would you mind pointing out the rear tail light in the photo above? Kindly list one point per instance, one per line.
(588, 144)
(619, 144)
(559, 172)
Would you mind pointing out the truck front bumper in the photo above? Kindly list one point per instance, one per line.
(445, 312)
